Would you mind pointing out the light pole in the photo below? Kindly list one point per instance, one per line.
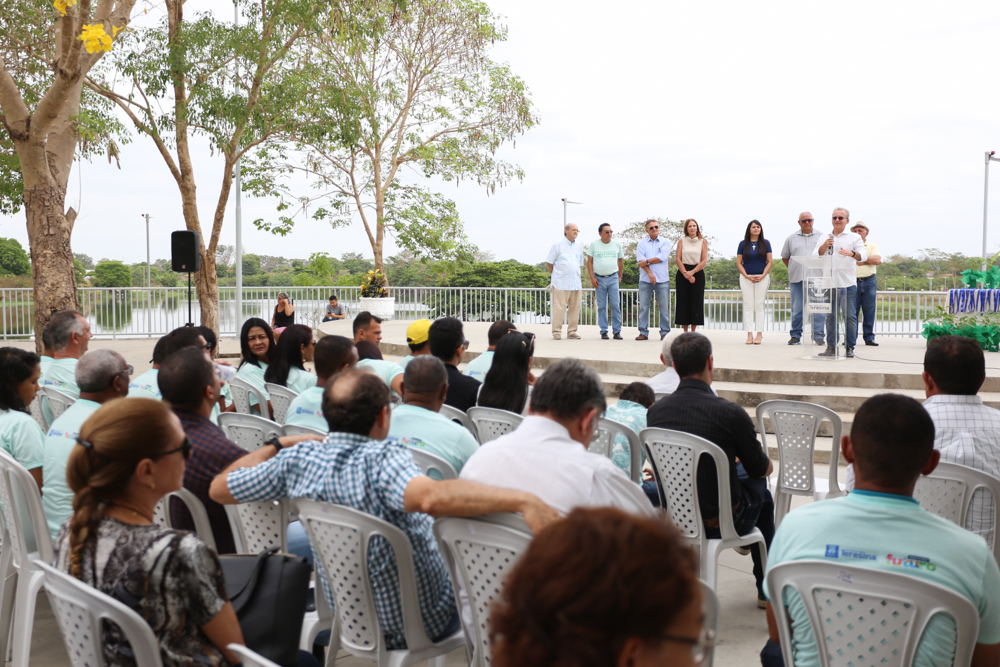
(990, 157)
(565, 203)
(149, 282)
(239, 223)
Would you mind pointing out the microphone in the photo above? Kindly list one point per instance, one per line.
(829, 251)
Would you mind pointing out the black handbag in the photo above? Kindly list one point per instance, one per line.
(269, 593)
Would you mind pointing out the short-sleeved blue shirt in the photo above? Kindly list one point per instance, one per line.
(752, 262)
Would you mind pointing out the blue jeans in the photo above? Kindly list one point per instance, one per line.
(662, 302)
(797, 306)
(607, 288)
(844, 300)
(756, 510)
(298, 542)
(867, 287)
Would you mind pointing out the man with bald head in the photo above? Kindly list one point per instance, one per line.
(102, 376)
(801, 244)
(564, 261)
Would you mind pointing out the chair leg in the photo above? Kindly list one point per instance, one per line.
(8, 587)
(25, 600)
(710, 564)
(438, 661)
(782, 505)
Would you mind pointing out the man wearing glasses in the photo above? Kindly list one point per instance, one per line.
(605, 263)
(801, 244)
(846, 249)
(653, 255)
(564, 261)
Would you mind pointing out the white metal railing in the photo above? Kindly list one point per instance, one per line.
(139, 312)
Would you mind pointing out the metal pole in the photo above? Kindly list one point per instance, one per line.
(986, 201)
(239, 226)
(149, 282)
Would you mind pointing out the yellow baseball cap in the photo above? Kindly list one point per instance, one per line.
(417, 332)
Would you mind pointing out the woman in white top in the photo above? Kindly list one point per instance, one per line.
(691, 257)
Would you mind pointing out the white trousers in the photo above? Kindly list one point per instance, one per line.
(754, 295)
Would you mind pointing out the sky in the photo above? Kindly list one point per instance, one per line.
(724, 111)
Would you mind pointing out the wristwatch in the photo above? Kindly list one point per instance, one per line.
(274, 440)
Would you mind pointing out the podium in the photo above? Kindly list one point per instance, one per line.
(820, 297)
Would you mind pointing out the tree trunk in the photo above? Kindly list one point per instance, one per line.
(52, 272)
(208, 291)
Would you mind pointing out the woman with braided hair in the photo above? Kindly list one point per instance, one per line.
(130, 453)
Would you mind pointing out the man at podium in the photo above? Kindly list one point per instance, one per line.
(845, 249)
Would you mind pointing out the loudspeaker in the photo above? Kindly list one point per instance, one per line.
(184, 251)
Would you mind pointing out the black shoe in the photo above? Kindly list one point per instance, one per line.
(819, 341)
(795, 341)
(761, 601)
(604, 336)
(829, 352)
(618, 336)
(871, 342)
(850, 353)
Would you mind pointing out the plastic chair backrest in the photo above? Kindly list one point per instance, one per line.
(341, 538)
(294, 429)
(35, 408)
(202, 526)
(867, 616)
(249, 658)
(428, 462)
(240, 390)
(948, 491)
(23, 514)
(796, 426)
(248, 431)
(675, 456)
(281, 398)
(456, 415)
(58, 401)
(258, 526)
(660, 394)
(710, 604)
(480, 554)
(81, 610)
(492, 423)
(604, 440)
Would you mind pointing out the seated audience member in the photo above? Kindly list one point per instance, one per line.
(283, 317)
(211, 340)
(185, 337)
(367, 327)
(630, 410)
(334, 311)
(70, 334)
(102, 376)
(547, 454)
(370, 359)
(880, 526)
(508, 382)
(417, 423)
(356, 467)
(667, 381)
(448, 344)
(563, 605)
(130, 454)
(416, 339)
(287, 368)
(256, 348)
(20, 434)
(145, 385)
(693, 408)
(48, 351)
(478, 367)
(333, 354)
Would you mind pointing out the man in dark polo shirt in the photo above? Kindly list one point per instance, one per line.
(448, 344)
(693, 408)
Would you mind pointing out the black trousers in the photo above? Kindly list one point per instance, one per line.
(690, 307)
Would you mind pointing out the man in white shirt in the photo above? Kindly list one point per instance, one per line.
(846, 250)
(564, 261)
(70, 334)
(667, 381)
(547, 454)
(801, 244)
(333, 354)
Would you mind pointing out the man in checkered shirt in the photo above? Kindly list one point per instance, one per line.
(356, 467)
(966, 431)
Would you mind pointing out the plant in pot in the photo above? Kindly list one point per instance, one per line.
(375, 295)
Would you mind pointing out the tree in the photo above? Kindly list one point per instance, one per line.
(43, 63)
(85, 260)
(224, 254)
(251, 265)
(428, 98)
(355, 263)
(79, 271)
(13, 260)
(509, 273)
(112, 273)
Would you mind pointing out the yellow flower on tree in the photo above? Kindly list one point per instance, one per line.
(95, 38)
(61, 5)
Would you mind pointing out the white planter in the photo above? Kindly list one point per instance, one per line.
(384, 307)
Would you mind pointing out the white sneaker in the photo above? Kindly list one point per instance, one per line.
(743, 551)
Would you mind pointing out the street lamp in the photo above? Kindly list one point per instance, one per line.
(565, 202)
(990, 157)
(149, 282)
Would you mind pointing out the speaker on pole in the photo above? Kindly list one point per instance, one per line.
(185, 255)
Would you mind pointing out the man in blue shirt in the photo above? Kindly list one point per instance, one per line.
(333, 354)
(653, 255)
(880, 526)
(564, 261)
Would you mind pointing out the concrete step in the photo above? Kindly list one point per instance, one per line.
(839, 399)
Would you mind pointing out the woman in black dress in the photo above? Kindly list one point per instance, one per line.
(284, 315)
(691, 257)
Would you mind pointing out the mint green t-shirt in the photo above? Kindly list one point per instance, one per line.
(307, 409)
(57, 498)
(61, 375)
(605, 256)
(22, 438)
(44, 363)
(480, 366)
(423, 429)
(300, 380)
(894, 534)
(387, 370)
(252, 374)
(145, 385)
(405, 360)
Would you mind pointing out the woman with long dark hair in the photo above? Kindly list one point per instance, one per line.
(691, 258)
(507, 385)
(287, 368)
(753, 259)
(284, 315)
(20, 434)
(256, 348)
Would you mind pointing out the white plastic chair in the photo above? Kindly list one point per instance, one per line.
(660, 394)
(240, 391)
(27, 538)
(81, 610)
(58, 401)
(250, 658)
(258, 526)
(199, 515)
(281, 398)
(675, 457)
(479, 553)
(432, 462)
(604, 439)
(456, 415)
(341, 538)
(35, 408)
(710, 605)
(294, 429)
(248, 431)
(492, 423)
(948, 492)
(868, 617)
(796, 426)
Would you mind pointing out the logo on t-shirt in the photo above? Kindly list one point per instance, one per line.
(916, 562)
(832, 551)
(835, 551)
